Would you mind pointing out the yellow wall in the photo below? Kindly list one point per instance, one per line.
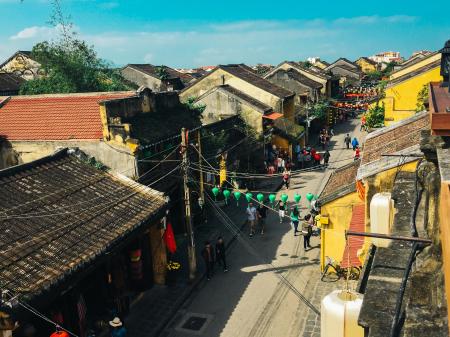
(339, 214)
(366, 67)
(401, 99)
(383, 182)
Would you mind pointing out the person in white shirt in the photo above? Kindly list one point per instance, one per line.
(251, 217)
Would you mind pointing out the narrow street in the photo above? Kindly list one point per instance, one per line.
(233, 304)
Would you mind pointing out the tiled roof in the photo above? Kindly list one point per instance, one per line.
(10, 82)
(288, 129)
(297, 66)
(394, 138)
(54, 117)
(59, 214)
(340, 179)
(295, 74)
(357, 224)
(23, 52)
(153, 71)
(243, 73)
(257, 104)
(414, 73)
(368, 60)
(414, 60)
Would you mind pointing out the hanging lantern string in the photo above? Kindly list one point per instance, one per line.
(38, 314)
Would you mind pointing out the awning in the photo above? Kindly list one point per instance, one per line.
(355, 243)
(273, 115)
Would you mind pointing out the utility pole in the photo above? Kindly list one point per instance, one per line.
(202, 187)
(187, 207)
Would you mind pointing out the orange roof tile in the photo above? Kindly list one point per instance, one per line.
(54, 117)
(354, 242)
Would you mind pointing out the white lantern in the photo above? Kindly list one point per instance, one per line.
(339, 314)
(380, 217)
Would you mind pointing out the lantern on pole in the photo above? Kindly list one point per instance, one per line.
(248, 196)
(226, 195)
(215, 192)
(237, 196)
(297, 197)
(284, 197)
(272, 198)
(260, 197)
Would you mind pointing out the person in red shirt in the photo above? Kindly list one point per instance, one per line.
(317, 159)
(357, 153)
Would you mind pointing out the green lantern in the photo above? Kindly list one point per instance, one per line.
(284, 197)
(260, 197)
(226, 194)
(297, 197)
(309, 196)
(215, 192)
(272, 198)
(248, 196)
(237, 196)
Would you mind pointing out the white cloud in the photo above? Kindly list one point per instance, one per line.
(34, 32)
(375, 19)
(148, 58)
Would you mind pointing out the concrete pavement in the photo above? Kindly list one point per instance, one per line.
(250, 300)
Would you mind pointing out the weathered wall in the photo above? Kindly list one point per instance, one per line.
(116, 159)
(401, 99)
(321, 80)
(339, 213)
(220, 105)
(8, 157)
(365, 66)
(220, 77)
(142, 79)
(23, 66)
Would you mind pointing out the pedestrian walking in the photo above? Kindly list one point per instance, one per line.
(307, 231)
(326, 158)
(347, 141)
(281, 210)
(261, 213)
(295, 218)
(208, 256)
(283, 164)
(363, 123)
(286, 178)
(317, 159)
(220, 253)
(117, 328)
(357, 153)
(251, 217)
(355, 143)
(279, 163)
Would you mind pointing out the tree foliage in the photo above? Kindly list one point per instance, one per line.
(422, 99)
(375, 116)
(319, 110)
(70, 64)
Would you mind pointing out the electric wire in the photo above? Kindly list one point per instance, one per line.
(249, 246)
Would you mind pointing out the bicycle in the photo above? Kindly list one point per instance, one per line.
(352, 274)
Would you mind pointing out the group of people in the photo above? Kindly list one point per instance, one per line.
(324, 137)
(355, 145)
(211, 255)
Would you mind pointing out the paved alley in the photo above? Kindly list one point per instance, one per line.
(250, 300)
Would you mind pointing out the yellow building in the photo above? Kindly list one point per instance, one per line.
(339, 199)
(366, 65)
(404, 85)
(353, 186)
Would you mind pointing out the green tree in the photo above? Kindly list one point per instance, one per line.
(70, 64)
(422, 99)
(375, 116)
(319, 110)
(162, 73)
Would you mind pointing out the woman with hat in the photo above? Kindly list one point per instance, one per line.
(117, 328)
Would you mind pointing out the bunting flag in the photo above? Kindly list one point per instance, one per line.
(169, 239)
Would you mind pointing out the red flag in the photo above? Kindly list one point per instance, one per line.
(169, 239)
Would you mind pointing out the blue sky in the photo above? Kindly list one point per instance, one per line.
(193, 33)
